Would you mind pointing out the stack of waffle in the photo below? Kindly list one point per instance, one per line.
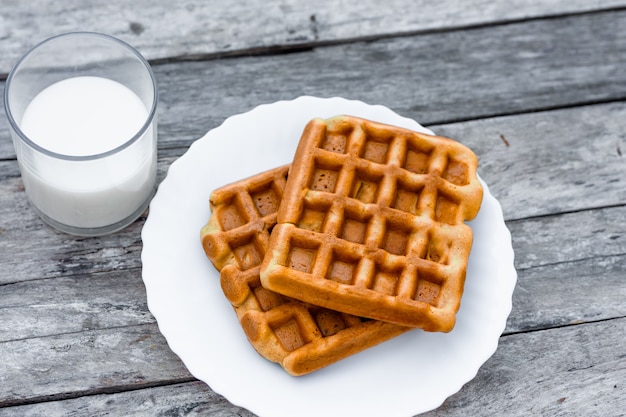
(361, 238)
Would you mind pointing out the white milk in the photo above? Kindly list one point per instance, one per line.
(85, 116)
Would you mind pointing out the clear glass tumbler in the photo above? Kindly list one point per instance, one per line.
(82, 113)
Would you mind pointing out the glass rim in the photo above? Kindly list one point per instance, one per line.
(151, 113)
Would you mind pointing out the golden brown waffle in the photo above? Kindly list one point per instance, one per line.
(372, 223)
(300, 337)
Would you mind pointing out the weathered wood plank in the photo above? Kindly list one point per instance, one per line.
(73, 304)
(186, 399)
(72, 364)
(569, 237)
(432, 78)
(162, 30)
(571, 371)
(574, 370)
(583, 291)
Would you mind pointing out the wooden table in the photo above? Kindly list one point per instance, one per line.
(537, 89)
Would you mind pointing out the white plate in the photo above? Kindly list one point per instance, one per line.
(410, 374)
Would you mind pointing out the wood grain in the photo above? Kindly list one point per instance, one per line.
(546, 241)
(76, 364)
(91, 301)
(572, 370)
(432, 78)
(568, 371)
(194, 28)
(583, 291)
(184, 399)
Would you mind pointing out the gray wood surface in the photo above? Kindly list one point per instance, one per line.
(433, 78)
(194, 29)
(575, 371)
(537, 89)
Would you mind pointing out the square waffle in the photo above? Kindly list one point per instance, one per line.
(372, 223)
(301, 337)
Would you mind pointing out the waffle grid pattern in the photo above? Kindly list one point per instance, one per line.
(380, 231)
(301, 337)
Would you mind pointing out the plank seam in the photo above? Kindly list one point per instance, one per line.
(564, 212)
(117, 389)
(561, 326)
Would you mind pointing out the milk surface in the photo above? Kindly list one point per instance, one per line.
(83, 116)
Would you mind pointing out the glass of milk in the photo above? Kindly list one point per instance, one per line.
(82, 113)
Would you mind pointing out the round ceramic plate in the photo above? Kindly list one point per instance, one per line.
(410, 374)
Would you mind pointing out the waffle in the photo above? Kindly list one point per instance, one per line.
(301, 337)
(372, 223)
